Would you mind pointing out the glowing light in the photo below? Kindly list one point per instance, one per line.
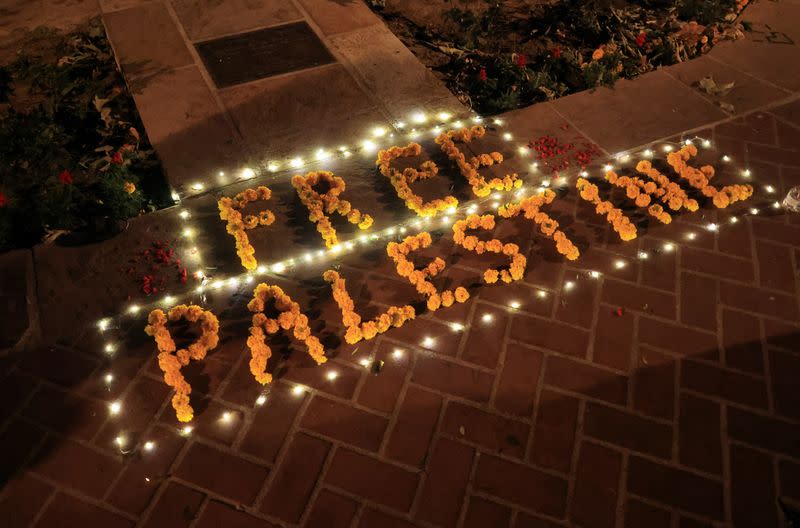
(706, 143)
(280, 267)
(477, 119)
(364, 362)
(754, 211)
(109, 348)
(445, 220)
(120, 441)
(458, 124)
(368, 146)
(428, 341)
(770, 189)
(226, 417)
(619, 264)
(188, 233)
(584, 173)
(734, 219)
(507, 136)
(594, 274)
(261, 400)
(569, 285)
(247, 173)
(691, 236)
(134, 308)
(687, 142)
(322, 155)
(332, 375)
(534, 166)
(643, 255)
(115, 407)
(102, 324)
(456, 327)
(419, 117)
(298, 390)
(149, 446)
(607, 168)
(515, 304)
(545, 183)
(273, 166)
(198, 186)
(184, 214)
(187, 430)
(397, 354)
(109, 378)
(400, 124)
(175, 197)
(712, 227)
(668, 247)
(378, 131)
(296, 162)
(776, 205)
(648, 153)
(746, 173)
(726, 158)
(497, 121)
(169, 300)
(522, 149)
(541, 294)
(487, 318)
(667, 148)
(443, 116)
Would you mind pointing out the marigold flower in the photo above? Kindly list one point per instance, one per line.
(621, 223)
(598, 53)
(530, 208)
(129, 187)
(699, 179)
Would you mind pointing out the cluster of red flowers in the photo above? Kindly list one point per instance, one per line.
(557, 156)
(640, 39)
(154, 259)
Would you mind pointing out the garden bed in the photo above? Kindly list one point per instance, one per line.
(74, 157)
(497, 56)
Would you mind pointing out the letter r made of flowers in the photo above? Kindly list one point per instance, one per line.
(171, 360)
(289, 318)
(321, 205)
(230, 210)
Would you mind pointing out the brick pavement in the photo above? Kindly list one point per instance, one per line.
(681, 412)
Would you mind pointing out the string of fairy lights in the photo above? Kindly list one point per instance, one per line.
(379, 136)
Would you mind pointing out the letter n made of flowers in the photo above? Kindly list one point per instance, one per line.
(230, 210)
(289, 318)
(321, 205)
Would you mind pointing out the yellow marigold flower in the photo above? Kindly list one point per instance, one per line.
(129, 187)
(598, 54)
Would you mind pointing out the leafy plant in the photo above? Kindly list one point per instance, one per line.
(71, 154)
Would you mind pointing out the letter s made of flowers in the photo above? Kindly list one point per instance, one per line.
(516, 268)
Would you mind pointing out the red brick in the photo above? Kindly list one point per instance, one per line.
(753, 496)
(613, 339)
(444, 341)
(789, 479)
(452, 378)
(521, 485)
(687, 522)
(23, 496)
(775, 268)
(594, 501)
(77, 466)
(331, 510)
(768, 433)
(741, 335)
(527, 296)
(678, 339)
(58, 365)
(14, 391)
(443, 493)
(586, 379)
(554, 435)
(699, 307)
(654, 384)
(482, 513)
(734, 240)
(756, 127)
(782, 335)
(69, 512)
(723, 383)
(576, 306)
(222, 473)
(208, 424)
(381, 392)
(516, 390)
(785, 370)
(133, 491)
(290, 490)
(372, 479)
(484, 338)
(716, 264)
(772, 154)
(639, 514)
(529, 521)
(376, 519)
(301, 369)
(494, 432)
(659, 271)
(217, 514)
(344, 422)
(178, 506)
(699, 440)
(271, 422)
(627, 430)
(638, 298)
(675, 487)
(759, 301)
(775, 232)
(550, 335)
(413, 430)
(66, 412)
